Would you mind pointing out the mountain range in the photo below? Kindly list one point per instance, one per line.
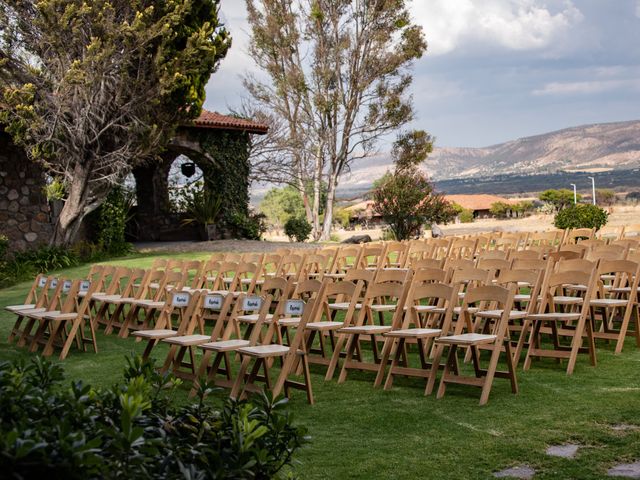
(587, 148)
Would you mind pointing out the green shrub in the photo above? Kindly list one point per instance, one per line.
(465, 216)
(50, 428)
(250, 226)
(297, 229)
(581, 216)
(46, 259)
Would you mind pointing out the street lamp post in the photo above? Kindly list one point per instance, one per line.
(575, 193)
(593, 189)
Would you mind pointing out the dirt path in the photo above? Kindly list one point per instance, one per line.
(218, 246)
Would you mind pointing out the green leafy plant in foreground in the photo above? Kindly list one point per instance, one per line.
(133, 429)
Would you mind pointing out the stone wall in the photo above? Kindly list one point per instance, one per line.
(24, 212)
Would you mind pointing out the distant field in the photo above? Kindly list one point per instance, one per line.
(621, 180)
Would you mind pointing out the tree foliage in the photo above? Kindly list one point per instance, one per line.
(581, 216)
(605, 196)
(57, 429)
(338, 75)
(559, 199)
(281, 204)
(407, 201)
(91, 88)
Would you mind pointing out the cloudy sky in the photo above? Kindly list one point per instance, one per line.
(497, 70)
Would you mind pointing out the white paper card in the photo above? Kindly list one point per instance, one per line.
(180, 299)
(294, 307)
(53, 284)
(213, 302)
(251, 304)
(42, 282)
(85, 285)
(66, 286)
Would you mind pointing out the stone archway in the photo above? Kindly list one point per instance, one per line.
(219, 145)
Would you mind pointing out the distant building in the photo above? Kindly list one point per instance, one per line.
(480, 204)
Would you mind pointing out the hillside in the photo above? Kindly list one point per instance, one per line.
(597, 147)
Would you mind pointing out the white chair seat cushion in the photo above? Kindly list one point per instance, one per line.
(17, 308)
(415, 333)
(188, 340)
(366, 329)
(263, 351)
(225, 345)
(326, 325)
(155, 334)
(468, 339)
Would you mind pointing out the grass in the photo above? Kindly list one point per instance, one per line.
(361, 432)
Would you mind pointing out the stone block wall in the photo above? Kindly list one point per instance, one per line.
(24, 212)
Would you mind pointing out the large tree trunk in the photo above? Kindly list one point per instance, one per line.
(328, 209)
(75, 208)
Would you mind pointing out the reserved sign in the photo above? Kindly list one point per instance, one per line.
(294, 307)
(251, 304)
(66, 286)
(181, 299)
(53, 284)
(42, 282)
(85, 285)
(213, 302)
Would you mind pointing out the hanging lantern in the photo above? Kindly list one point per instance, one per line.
(188, 169)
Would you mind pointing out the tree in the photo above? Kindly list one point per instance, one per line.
(93, 88)
(559, 199)
(500, 209)
(281, 204)
(605, 196)
(338, 74)
(581, 216)
(406, 199)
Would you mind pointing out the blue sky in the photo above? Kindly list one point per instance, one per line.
(497, 70)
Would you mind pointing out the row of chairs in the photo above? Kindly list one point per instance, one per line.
(346, 308)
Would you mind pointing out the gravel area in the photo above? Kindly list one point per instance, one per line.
(219, 246)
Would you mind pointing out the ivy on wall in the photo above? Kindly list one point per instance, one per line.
(229, 175)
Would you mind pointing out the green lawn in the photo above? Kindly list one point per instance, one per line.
(361, 432)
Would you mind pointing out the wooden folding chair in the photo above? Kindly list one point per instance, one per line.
(115, 319)
(573, 322)
(231, 341)
(263, 356)
(179, 304)
(624, 276)
(36, 298)
(472, 335)
(67, 327)
(396, 255)
(519, 323)
(344, 293)
(346, 258)
(428, 315)
(387, 297)
(463, 249)
(50, 300)
(150, 308)
(373, 256)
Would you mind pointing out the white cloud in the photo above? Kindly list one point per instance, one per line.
(588, 87)
(512, 24)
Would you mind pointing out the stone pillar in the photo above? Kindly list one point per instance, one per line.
(152, 194)
(24, 212)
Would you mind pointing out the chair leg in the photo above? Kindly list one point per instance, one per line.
(451, 358)
(491, 371)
